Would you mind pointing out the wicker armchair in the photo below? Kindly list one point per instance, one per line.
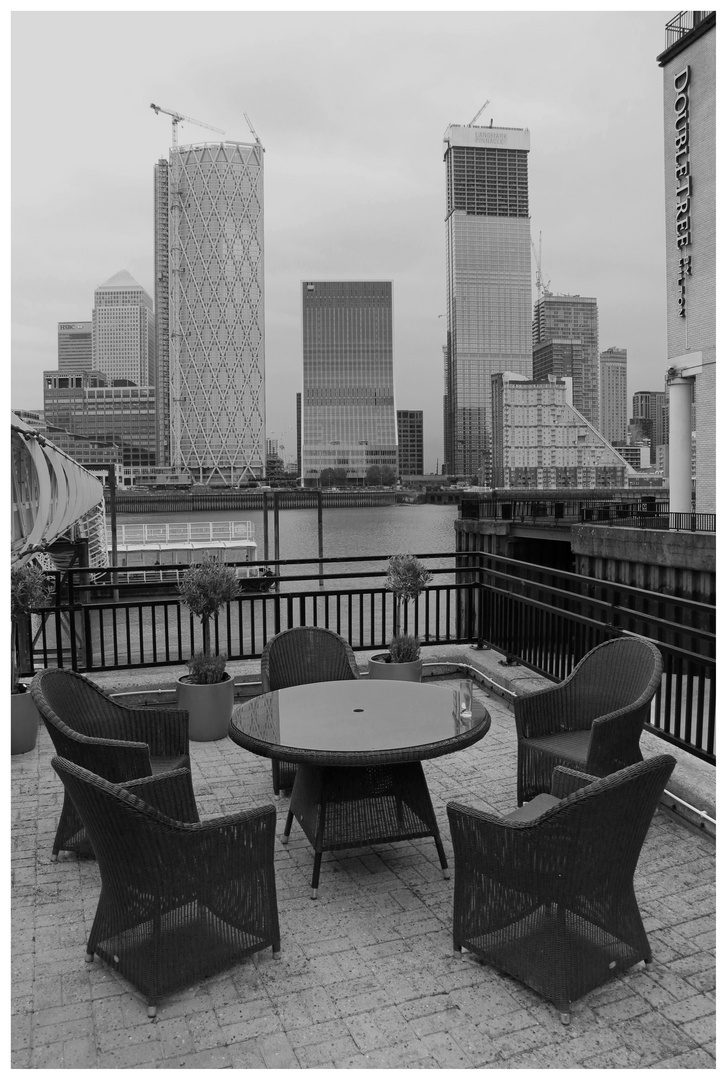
(546, 894)
(180, 898)
(112, 740)
(305, 654)
(591, 721)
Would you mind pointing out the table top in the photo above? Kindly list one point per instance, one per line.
(357, 722)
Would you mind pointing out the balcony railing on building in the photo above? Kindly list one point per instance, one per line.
(541, 618)
(682, 24)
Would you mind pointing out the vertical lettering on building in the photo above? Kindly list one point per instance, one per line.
(683, 177)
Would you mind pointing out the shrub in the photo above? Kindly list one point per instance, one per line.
(206, 669)
(404, 648)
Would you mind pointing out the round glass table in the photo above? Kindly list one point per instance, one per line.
(359, 746)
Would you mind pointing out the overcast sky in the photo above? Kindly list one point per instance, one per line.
(351, 109)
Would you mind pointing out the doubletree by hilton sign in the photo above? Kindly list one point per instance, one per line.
(683, 175)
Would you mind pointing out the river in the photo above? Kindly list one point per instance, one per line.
(380, 530)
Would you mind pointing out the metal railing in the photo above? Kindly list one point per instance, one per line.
(682, 24)
(658, 518)
(541, 618)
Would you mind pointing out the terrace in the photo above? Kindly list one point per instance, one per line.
(366, 977)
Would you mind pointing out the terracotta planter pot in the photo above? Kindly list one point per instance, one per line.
(380, 667)
(24, 721)
(209, 706)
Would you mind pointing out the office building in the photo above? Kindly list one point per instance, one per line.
(75, 352)
(614, 397)
(489, 289)
(541, 441)
(119, 416)
(565, 344)
(689, 64)
(161, 306)
(410, 438)
(299, 434)
(209, 244)
(649, 419)
(123, 331)
(349, 418)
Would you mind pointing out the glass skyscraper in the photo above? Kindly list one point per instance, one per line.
(489, 285)
(209, 240)
(349, 418)
(565, 343)
(123, 338)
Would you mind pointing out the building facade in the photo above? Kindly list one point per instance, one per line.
(123, 331)
(120, 416)
(209, 243)
(410, 438)
(161, 306)
(649, 419)
(614, 397)
(489, 284)
(75, 348)
(689, 65)
(541, 441)
(565, 344)
(348, 413)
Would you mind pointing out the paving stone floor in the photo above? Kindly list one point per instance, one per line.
(366, 977)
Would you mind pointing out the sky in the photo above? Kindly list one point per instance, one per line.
(351, 108)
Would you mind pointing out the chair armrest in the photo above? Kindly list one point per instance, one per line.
(166, 731)
(171, 793)
(542, 712)
(565, 781)
(615, 739)
(114, 760)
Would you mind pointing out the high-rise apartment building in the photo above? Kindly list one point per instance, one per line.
(209, 242)
(161, 306)
(565, 344)
(689, 64)
(410, 437)
(614, 397)
(489, 289)
(123, 331)
(541, 441)
(649, 418)
(75, 352)
(349, 419)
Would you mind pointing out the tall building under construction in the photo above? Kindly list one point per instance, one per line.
(489, 287)
(209, 263)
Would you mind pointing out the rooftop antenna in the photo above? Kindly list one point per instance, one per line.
(477, 115)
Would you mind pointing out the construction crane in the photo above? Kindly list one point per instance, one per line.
(477, 115)
(252, 129)
(178, 118)
(542, 286)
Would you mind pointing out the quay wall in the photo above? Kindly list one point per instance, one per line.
(179, 502)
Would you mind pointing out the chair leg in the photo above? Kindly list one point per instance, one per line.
(288, 826)
(151, 1012)
(316, 875)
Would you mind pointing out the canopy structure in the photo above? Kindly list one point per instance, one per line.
(53, 498)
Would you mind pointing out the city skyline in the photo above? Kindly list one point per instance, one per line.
(354, 178)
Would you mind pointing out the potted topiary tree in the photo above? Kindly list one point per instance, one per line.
(29, 590)
(406, 579)
(208, 691)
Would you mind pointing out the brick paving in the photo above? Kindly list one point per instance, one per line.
(366, 977)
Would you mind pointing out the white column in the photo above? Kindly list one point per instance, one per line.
(680, 445)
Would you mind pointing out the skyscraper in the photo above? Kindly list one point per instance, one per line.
(614, 399)
(349, 419)
(489, 290)
(75, 353)
(565, 343)
(209, 240)
(650, 416)
(410, 435)
(123, 331)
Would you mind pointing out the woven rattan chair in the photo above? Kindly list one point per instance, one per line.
(112, 740)
(305, 654)
(546, 894)
(180, 898)
(591, 721)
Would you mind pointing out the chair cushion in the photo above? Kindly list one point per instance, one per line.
(572, 745)
(529, 811)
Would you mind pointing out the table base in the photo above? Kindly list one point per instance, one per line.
(358, 806)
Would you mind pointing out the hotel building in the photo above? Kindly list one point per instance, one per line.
(489, 286)
(209, 259)
(348, 413)
(689, 65)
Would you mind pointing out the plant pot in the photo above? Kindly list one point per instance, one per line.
(24, 721)
(381, 667)
(209, 706)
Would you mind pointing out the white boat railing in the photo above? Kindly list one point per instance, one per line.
(183, 531)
